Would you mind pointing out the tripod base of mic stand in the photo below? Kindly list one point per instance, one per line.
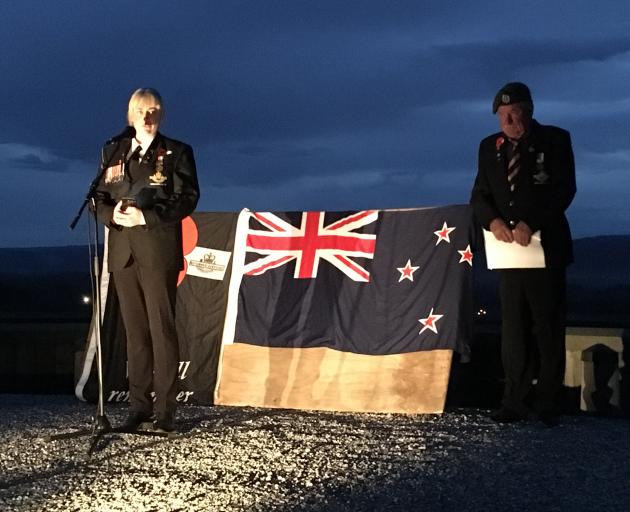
(100, 425)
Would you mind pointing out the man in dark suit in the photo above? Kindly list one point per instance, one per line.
(149, 185)
(525, 182)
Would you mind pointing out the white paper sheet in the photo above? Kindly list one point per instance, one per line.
(512, 255)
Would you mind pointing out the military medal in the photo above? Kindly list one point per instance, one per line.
(115, 173)
(541, 177)
(159, 178)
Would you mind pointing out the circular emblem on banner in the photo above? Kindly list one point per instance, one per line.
(190, 236)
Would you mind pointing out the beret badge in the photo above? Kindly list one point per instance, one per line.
(514, 92)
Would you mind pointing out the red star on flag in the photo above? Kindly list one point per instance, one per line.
(443, 234)
(466, 255)
(407, 271)
(429, 322)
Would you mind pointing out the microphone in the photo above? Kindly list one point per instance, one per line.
(128, 133)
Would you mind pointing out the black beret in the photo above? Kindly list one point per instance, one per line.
(514, 92)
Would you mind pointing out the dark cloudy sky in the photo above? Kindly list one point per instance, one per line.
(292, 105)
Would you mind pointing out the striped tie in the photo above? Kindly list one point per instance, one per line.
(514, 166)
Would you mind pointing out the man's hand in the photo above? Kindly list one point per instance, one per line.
(129, 218)
(500, 231)
(522, 233)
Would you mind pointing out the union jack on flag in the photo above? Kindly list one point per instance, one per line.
(312, 241)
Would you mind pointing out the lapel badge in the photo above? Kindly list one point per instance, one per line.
(499, 143)
(158, 178)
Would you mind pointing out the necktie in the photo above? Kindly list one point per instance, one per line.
(135, 154)
(132, 155)
(514, 166)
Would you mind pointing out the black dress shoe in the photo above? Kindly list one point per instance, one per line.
(549, 419)
(134, 420)
(504, 415)
(165, 424)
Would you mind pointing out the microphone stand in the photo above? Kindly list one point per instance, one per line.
(100, 423)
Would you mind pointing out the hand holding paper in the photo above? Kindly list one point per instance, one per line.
(522, 233)
(502, 255)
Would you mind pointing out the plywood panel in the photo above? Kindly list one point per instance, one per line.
(326, 379)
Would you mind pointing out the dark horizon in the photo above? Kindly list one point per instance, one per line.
(86, 244)
(598, 285)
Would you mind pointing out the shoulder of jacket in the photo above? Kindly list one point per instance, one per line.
(552, 131)
(491, 140)
(110, 150)
(174, 144)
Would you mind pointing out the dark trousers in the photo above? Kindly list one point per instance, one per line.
(147, 305)
(533, 309)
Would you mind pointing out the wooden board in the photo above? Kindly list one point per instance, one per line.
(326, 379)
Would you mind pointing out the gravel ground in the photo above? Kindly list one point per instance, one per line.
(228, 458)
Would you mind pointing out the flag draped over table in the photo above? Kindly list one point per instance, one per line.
(370, 282)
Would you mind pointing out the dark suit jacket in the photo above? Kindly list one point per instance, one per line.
(545, 187)
(165, 198)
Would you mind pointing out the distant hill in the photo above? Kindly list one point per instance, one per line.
(601, 261)
(598, 283)
(44, 260)
(50, 281)
(45, 283)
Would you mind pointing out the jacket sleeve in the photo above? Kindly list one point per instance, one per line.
(183, 200)
(481, 198)
(104, 203)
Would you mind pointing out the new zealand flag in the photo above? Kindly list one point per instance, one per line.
(370, 282)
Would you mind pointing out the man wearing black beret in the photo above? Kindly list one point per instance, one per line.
(525, 182)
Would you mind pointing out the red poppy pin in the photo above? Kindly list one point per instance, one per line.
(500, 142)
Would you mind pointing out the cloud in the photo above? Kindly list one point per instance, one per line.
(598, 207)
(608, 161)
(23, 158)
(319, 105)
(364, 189)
